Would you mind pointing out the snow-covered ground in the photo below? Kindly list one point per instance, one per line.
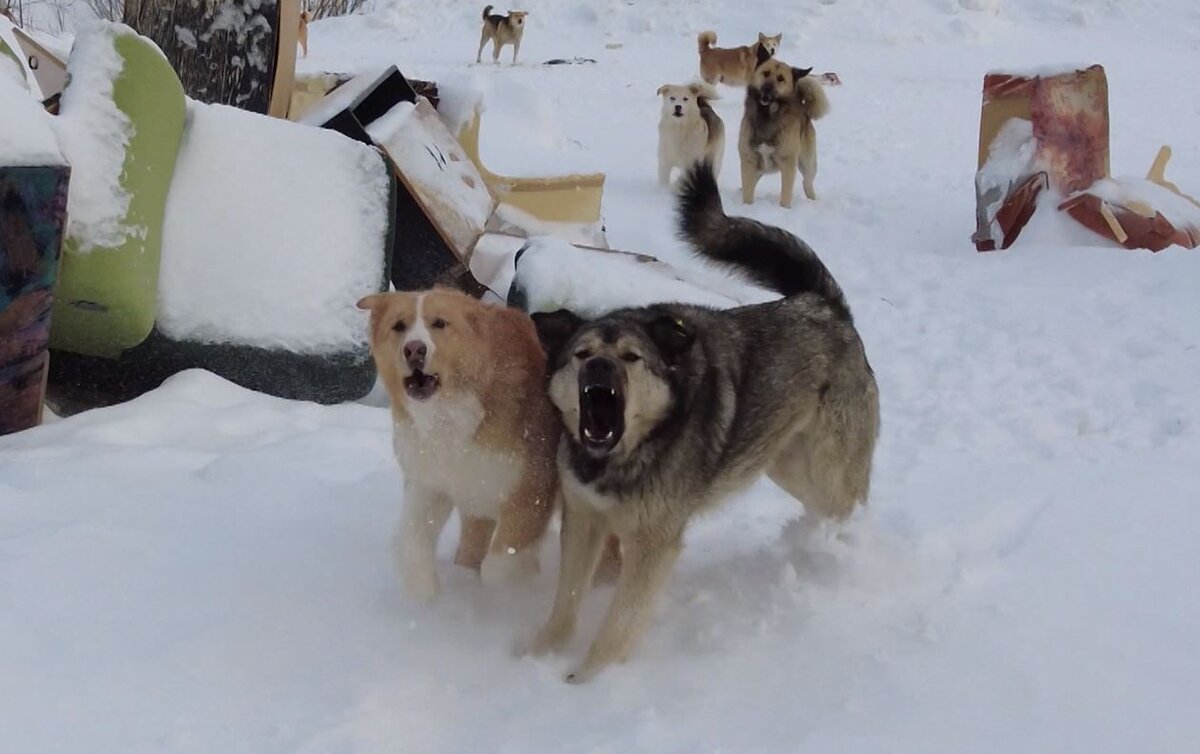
(205, 569)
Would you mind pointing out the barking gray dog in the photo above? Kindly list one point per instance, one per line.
(670, 409)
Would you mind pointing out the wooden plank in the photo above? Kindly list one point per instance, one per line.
(285, 58)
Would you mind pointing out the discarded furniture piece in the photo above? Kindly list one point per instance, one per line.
(1037, 131)
(225, 51)
(247, 262)
(421, 255)
(33, 201)
(311, 89)
(1047, 133)
(1150, 213)
(572, 198)
(312, 92)
(446, 206)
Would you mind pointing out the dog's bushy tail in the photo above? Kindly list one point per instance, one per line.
(706, 40)
(768, 255)
(812, 94)
(487, 11)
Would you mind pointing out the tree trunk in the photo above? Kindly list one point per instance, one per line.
(232, 52)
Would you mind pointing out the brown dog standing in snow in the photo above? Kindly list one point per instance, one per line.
(473, 429)
(734, 65)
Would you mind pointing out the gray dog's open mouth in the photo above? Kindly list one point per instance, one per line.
(601, 417)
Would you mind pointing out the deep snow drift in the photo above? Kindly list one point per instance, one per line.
(206, 569)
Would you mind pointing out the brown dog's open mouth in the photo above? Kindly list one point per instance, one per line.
(601, 417)
(420, 385)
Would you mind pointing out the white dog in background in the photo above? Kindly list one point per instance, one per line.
(689, 130)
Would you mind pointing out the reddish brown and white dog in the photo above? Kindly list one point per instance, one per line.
(734, 65)
(473, 429)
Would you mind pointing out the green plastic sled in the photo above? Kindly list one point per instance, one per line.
(106, 300)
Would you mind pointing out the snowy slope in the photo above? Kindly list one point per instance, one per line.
(206, 569)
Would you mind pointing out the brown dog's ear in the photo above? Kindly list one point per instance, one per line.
(799, 73)
(372, 302)
(661, 89)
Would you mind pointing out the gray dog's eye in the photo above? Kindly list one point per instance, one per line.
(630, 358)
(583, 354)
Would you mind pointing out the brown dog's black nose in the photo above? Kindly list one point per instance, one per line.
(414, 353)
(679, 109)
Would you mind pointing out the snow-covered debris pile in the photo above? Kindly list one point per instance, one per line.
(552, 274)
(273, 231)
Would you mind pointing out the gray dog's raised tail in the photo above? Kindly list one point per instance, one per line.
(769, 256)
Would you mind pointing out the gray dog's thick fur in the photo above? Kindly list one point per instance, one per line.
(708, 400)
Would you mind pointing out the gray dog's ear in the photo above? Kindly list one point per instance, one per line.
(672, 338)
(799, 73)
(554, 329)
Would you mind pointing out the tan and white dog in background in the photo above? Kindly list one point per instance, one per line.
(734, 65)
(689, 130)
(501, 31)
(473, 430)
